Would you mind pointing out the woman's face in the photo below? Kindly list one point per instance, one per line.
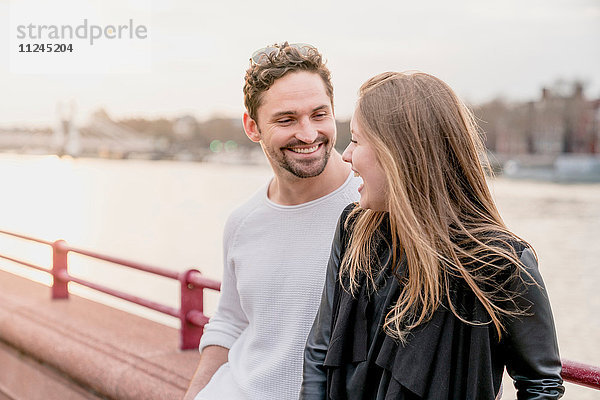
(360, 153)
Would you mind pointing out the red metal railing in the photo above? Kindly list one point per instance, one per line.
(190, 313)
(581, 374)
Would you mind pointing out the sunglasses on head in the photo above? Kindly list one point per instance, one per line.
(262, 56)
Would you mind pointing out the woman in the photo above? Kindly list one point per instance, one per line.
(428, 294)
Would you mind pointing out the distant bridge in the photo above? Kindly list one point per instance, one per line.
(100, 137)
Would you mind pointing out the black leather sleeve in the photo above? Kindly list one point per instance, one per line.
(314, 379)
(532, 357)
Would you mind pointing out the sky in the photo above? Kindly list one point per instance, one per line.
(200, 50)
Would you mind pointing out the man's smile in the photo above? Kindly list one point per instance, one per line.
(304, 150)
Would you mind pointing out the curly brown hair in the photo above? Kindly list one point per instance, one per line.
(261, 76)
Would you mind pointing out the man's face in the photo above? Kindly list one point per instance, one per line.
(296, 125)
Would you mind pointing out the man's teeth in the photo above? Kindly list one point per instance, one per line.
(305, 151)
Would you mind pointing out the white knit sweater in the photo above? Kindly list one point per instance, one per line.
(275, 259)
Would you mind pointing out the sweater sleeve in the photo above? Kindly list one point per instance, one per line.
(532, 350)
(229, 320)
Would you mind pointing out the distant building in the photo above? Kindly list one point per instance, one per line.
(555, 124)
(565, 124)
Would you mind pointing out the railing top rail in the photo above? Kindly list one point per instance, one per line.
(32, 239)
(581, 374)
(197, 279)
(117, 260)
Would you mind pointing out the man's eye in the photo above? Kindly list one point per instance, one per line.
(353, 141)
(284, 121)
(320, 115)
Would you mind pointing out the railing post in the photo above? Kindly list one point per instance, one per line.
(60, 288)
(192, 300)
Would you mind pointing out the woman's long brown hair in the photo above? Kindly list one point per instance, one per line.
(441, 213)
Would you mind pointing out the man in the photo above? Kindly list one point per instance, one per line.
(276, 245)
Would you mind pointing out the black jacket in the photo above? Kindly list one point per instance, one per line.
(348, 356)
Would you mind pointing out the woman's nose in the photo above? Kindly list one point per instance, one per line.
(347, 154)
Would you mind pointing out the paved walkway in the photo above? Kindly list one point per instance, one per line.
(84, 348)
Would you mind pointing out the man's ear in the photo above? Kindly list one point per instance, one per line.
(251, 128)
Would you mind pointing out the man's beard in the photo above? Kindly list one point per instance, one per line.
(302, 168)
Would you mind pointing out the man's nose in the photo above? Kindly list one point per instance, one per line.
(307, 132)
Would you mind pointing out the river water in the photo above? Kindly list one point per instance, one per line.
(172, 214)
